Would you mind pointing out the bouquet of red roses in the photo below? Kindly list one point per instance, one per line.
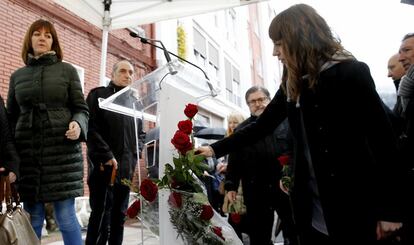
(190, 212)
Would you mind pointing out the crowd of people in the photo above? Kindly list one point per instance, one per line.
(352, 165)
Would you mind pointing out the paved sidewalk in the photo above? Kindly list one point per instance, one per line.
(132, 236)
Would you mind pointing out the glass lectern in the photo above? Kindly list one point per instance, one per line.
(160, 98)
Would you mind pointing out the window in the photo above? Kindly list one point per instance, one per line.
(207, 56)
(231, 26)
(81, 74)
(213, 64)
(232, 83)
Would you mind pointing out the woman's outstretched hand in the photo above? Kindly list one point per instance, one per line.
(206, 151)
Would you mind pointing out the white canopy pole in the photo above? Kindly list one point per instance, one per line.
(102, 72)
(105, 31)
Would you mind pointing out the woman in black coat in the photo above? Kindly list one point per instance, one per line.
(49, 118)
(346, 186)
(9, 160)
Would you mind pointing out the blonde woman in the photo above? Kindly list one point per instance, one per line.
(233, 120)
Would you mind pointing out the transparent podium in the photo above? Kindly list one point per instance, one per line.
(159, 99)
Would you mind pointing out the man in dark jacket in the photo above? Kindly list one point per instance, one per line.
(111, 144)
(258, 169)
(405, 109)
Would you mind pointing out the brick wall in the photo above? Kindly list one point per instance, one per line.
(81, 43)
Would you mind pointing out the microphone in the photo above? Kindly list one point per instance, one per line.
(168, 58)
(166, 53)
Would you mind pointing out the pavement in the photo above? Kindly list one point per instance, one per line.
(132, 235)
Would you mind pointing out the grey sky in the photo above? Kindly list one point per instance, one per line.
(370, 29)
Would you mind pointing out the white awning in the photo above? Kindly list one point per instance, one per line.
(116, 14)
(131, 13)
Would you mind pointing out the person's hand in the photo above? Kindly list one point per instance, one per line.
(386, 229)
(283, 188)
(206, 151)
(74, 131)
(221, 167)
(231, 196)
(12, 176)
(113, 163)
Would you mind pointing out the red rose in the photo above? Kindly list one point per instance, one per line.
(148, 190)
(181, 142)
(284, 160)
(235, 217)
(207, 212)
(185, 126)
(134, 209)
(190, 110)
(217, 231)
(175, 199)
(174, 183)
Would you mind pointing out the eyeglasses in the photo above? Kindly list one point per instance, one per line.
(260, 100)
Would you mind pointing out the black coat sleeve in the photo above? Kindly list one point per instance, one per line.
(388, 169)
(9, 157)
(77, 105)
(98, 150)
(271, 117)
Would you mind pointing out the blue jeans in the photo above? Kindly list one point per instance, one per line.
(65, 218)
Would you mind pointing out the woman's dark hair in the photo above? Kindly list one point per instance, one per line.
(307, 42)
(36, 26)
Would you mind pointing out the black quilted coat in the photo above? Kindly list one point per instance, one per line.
(44, 97)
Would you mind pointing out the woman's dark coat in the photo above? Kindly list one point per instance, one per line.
(352, 147)
(44, 97)
(9, 158)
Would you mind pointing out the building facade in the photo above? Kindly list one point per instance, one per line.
(80, 40)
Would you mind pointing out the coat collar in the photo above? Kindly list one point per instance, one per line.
(48, 58)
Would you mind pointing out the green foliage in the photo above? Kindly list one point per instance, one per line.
(180, 176)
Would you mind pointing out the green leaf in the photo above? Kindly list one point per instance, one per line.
(198, 158)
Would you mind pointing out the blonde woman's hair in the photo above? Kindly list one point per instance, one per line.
(236, 117)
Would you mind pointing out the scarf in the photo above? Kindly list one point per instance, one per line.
(406, 90)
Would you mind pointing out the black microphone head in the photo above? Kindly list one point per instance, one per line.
(133, 34)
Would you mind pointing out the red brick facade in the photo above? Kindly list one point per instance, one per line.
(81, 43)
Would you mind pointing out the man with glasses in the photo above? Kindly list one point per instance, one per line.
(259, 171)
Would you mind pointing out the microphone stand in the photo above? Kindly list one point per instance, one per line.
(168, 58)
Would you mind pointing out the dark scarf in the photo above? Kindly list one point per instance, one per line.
(406, 90)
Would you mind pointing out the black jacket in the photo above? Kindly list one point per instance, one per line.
(44, 97)
(112, 135)
(257, 166)
(352, 148)
(9, 159)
